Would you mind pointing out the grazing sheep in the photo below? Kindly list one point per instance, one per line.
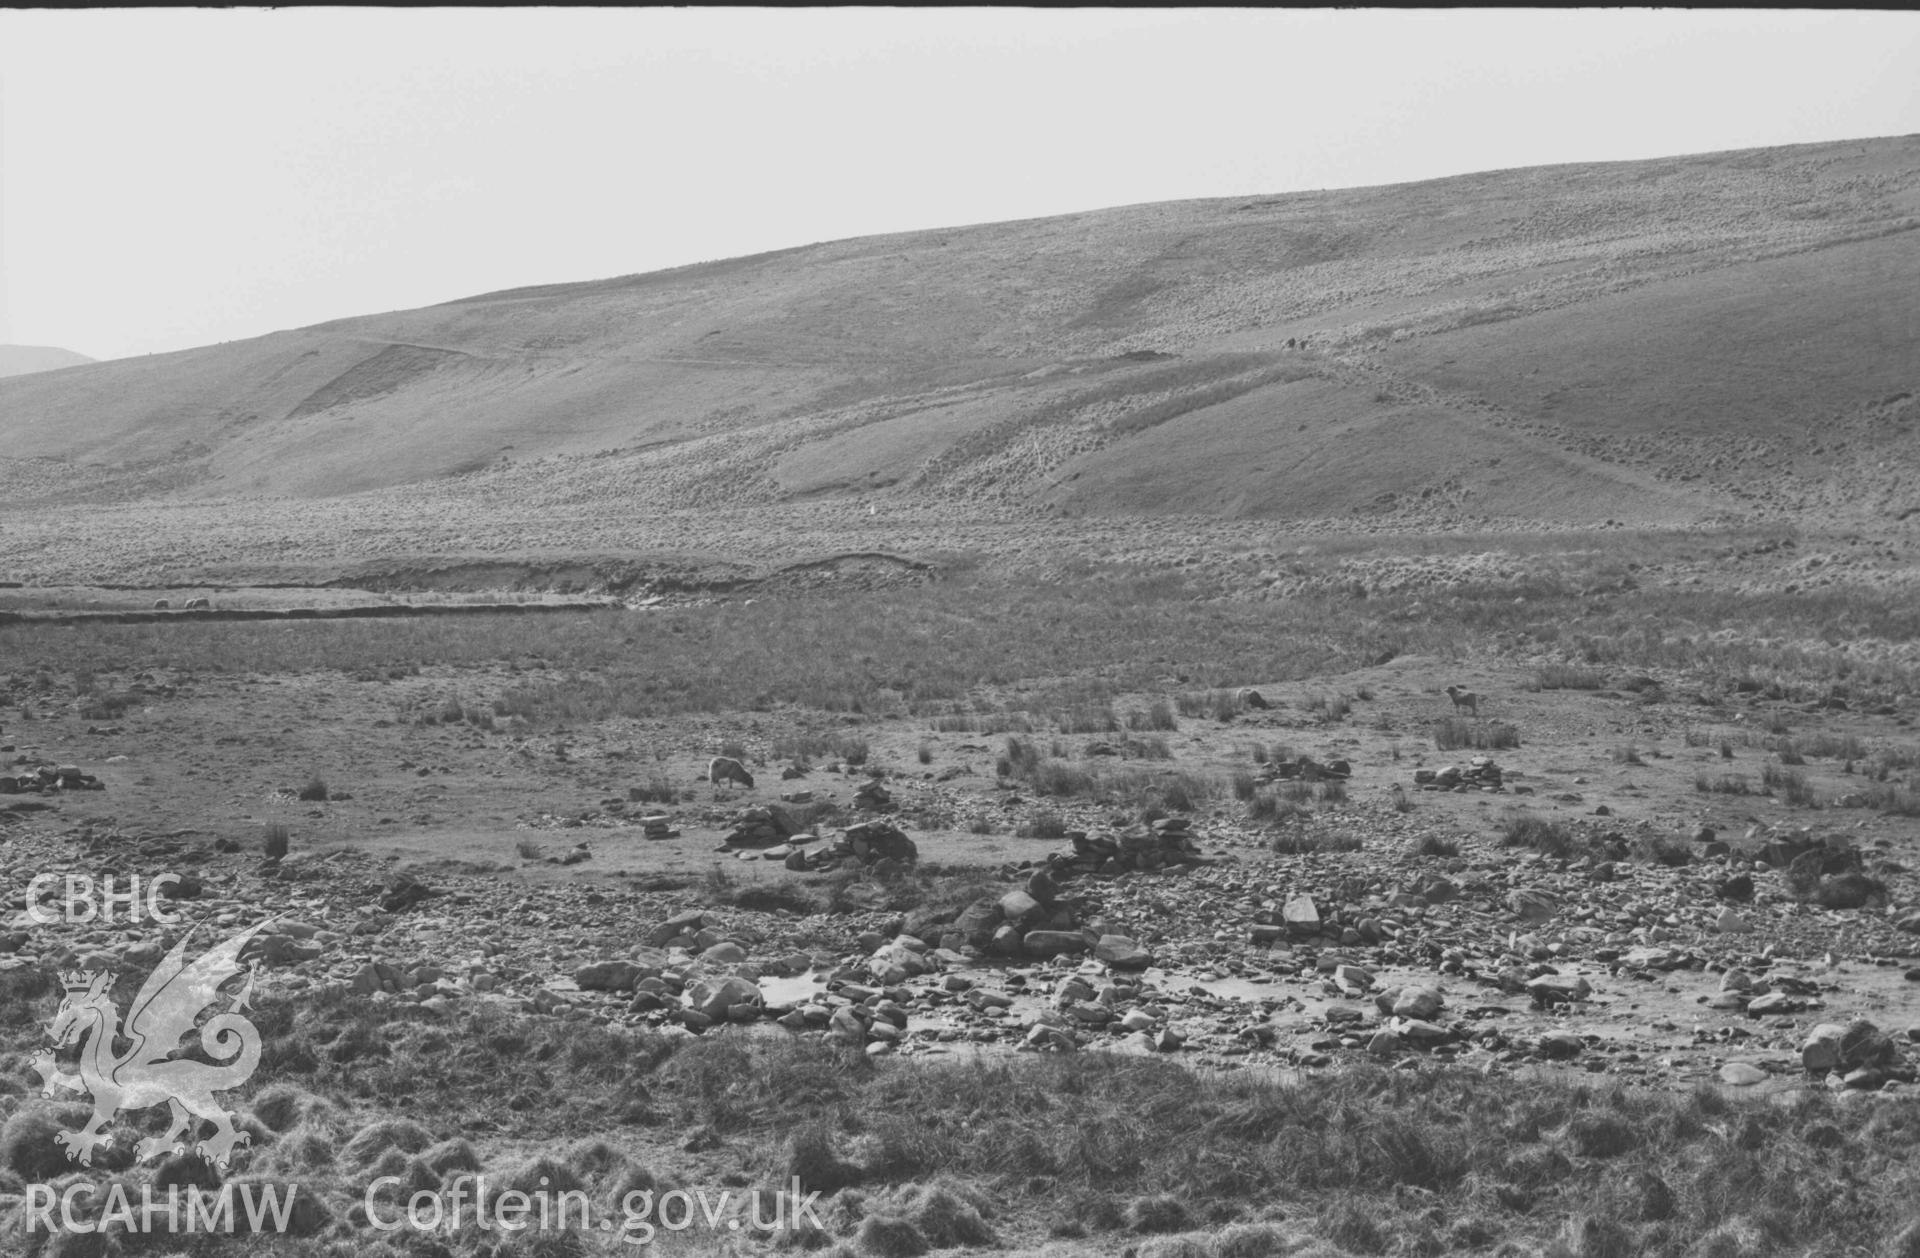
(161, 604)
(727, 769)
(198, 604)
(1464, 699)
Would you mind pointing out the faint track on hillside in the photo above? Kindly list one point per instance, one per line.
(392, 611)
(518, 353)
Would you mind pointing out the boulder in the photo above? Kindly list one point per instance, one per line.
(977, 922)
(1020, 909)
(1865, 1044)
(1820, 1051)
(1553, 989)
(376, 976)
(608, 976)
(1774, 1003)
(1419, 1003)
(404, 892)
(1301, 916)
(845, 1025)
(1040, 1035)
(674, 927)
(1352, 980)
(1122, 953)
(1053, 943)
(1532, 906)
(716, 998)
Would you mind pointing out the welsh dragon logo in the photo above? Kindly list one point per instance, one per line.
(148, 1073)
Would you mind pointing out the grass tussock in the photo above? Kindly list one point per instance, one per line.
(1329, 708)
(1042, 823)
(1455, 733)
(1892, 800)
(807, 749)
(1277, 807)
(1151, 747)
(1048, 773)
(1661, 850)
(1789, 786)
(1826, 746)
(1569, 677)
(1217, 705)
(1521, 828)
(1157, 716)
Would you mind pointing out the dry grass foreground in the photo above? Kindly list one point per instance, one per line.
(1079, 1154)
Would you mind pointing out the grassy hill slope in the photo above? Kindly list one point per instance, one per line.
(1663, 340)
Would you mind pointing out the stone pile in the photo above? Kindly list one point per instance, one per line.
(403, 892)
(1301, 918)
(1306, 769)
(46, 779)
(873, 797)
(1166, 843)
(657, 825)
(697, 976)
(1479, 773)
(1807, 853)
(873, 842)
(765, 826)
(1858, 1055)
(879, 845)
(1032, 921)
(1412, 1015)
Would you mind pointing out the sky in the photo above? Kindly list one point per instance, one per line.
(174, 178)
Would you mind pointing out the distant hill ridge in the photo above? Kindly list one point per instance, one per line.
(20, 360)
(1674, 340)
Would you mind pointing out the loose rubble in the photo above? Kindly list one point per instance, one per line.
(1478, 774)
(47, 779)
(1135, 940)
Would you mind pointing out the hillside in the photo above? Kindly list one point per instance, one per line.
(21, 360)
(1670, 341)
